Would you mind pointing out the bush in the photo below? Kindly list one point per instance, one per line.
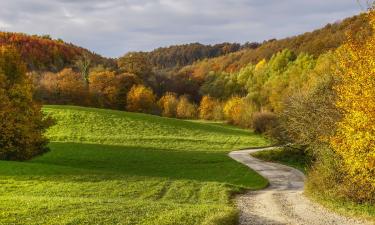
(264, 122)
(21, 120)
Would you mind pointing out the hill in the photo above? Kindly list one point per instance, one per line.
(314, 43)
(111, 167)
(177, 56)
(41, 53)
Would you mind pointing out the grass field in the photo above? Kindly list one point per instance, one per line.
(110, 167)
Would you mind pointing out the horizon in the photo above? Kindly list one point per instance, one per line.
(99, 27)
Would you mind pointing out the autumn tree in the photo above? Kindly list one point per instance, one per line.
(21, 120)
(103, 88)
(168, 104)
(238, 111)
(138, 64)
(209, 108)
(141, 99)
(354, 140)
(186, 109)
(124, 82)
(65, 87)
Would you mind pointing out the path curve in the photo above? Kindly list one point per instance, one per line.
(283, 201)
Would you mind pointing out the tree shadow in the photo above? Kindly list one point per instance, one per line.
(112, 162)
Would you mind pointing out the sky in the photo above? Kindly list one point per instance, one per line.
(114, 27)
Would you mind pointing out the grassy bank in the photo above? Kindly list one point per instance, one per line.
(287, 156)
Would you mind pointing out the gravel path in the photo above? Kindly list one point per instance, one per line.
(282, 202)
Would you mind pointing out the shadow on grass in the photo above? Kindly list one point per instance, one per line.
(111, 162)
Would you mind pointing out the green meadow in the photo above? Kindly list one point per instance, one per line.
(112, 167)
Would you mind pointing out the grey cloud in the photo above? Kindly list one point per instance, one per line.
(112, 27)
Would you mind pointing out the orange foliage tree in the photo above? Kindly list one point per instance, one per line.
(103, 88)
(141, 99)
(21, 120)
(65, 87)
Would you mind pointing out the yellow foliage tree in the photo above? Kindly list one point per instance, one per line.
(168, 104)
(141, 99)
(355, 137)
(186, 109)
(207, 108)
(239, 111)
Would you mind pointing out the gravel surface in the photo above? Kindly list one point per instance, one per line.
(283, 201)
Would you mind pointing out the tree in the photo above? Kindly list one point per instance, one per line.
(137, 63)
(238, 111)
(22, 123)
(208, 108)
(186, 109)
(83, 64)
(141, 99)
(65, 87)
(103, 88)
(354, 140)
(124, 82)
(168, 104)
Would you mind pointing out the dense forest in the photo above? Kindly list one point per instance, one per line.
(314, 91)
(42, 53)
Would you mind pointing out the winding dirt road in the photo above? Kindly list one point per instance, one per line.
(283, 201)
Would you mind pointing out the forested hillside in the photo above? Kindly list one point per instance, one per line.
(182, 55)
(314, 43)
(41, 53)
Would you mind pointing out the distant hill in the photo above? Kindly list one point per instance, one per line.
(41, 53)
(177, 56)
(315, 43)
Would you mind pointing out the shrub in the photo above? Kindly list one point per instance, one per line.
(186, 109)
(264, 122)
(21, 121)
(141, 99)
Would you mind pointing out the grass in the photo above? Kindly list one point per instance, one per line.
(111, 167)
(344, 207)
(287, 156)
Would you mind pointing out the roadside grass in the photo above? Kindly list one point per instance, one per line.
(287, 156)
(111, 167)
(344, 207)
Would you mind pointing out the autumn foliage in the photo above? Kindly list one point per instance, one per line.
(141, 99)
(21, 121)
(354, 140)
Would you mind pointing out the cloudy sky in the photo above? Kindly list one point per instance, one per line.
(113, 27)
